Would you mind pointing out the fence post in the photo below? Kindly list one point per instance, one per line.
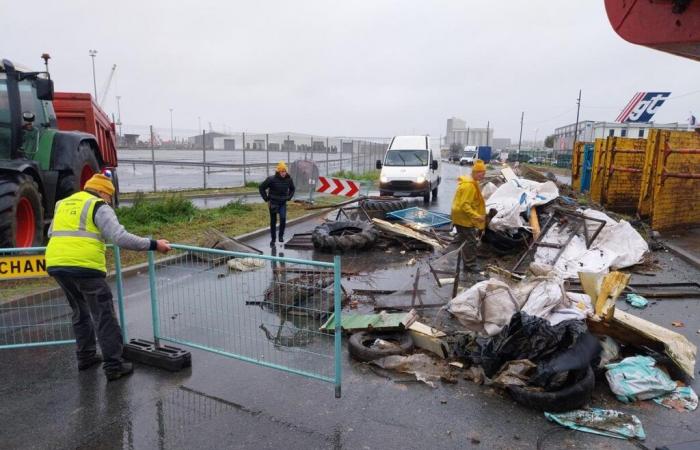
(336, 324)
(120, 292)
(327, 150)
(267, 155)
(153, 160)
(244, 177)
(154, 298)
(204, 157)
(352, 157)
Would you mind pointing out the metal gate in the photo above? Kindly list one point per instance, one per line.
(262, 309)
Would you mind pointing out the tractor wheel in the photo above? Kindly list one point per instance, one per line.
(21, 213)
(85, 165)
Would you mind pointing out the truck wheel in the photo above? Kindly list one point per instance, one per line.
(383, 205)
(85, 165)
(21, 213)
(344, 236)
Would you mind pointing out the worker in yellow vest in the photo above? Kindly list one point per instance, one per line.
(469, 215)
(75, 258)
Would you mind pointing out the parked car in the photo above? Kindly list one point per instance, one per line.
(537, 160)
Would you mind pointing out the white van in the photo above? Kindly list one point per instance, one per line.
(409, 169)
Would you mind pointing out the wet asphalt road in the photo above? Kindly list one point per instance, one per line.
(224, 403)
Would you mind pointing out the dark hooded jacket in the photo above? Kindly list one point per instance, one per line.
(277, 189)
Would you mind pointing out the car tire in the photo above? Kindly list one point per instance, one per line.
(359, 345)
(573, 396)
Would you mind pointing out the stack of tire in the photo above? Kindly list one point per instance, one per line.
(344, 236)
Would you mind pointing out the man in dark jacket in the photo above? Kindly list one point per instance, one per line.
(276, 190)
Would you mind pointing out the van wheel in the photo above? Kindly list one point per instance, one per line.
(426, 197)
(435, 190)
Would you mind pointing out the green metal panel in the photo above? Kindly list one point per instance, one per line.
(43, 154)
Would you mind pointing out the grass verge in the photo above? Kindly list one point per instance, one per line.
(176, 219)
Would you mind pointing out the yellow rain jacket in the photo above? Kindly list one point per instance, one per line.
(468, 207)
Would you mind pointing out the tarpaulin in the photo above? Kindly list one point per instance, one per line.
(515, 197)
(617, 246)
(605, 422)
(637, 378)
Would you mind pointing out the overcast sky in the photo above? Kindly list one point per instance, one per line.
(350, 68)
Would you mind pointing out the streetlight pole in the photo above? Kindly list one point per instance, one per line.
(171, 126)
(93, 53)
(119, 116)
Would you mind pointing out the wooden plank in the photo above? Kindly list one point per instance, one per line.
(534, 223)
(403, 231)
(508, 174)
(630, 329)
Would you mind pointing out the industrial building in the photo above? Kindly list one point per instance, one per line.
(589, 130)
(458, 132)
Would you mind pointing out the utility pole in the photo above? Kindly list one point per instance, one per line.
(171, 126)
(520, 139)
(578, 109)
(93, 53)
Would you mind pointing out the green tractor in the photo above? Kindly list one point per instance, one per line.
(39, 164)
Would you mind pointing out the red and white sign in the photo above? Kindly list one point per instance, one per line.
(338, 186)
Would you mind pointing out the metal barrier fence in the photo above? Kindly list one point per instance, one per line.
(262, 309)
(33, 309)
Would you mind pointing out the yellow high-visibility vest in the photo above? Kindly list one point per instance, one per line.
(75, 239)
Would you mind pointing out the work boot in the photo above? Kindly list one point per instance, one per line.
(281, 239)
(272, 243)
(86, 363)
(115, 374)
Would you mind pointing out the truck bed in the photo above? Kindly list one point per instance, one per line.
(78, 112)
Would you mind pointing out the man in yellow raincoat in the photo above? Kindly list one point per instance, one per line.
(469, 215)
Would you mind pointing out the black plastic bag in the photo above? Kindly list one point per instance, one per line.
(579, 357)
(525, 337)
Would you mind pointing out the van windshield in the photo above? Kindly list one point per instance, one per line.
(406, 158)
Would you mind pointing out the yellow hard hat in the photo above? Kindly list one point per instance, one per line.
(281, 166)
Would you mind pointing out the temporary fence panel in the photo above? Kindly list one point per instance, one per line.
(587, 167)
(262, 309)
(576, 166)
(598, 169)
(625, 163)
(676, 198)
(33, 309)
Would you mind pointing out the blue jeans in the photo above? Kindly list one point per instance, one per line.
(275, 210)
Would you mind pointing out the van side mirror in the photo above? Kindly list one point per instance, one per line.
(44, 89)
(434, 165)
(379, 164)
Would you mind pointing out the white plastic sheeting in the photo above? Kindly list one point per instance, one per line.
(515, 197)
(488, 306)
(617, 246)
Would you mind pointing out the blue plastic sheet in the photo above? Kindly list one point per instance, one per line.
(637, 378)
(604, 422)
